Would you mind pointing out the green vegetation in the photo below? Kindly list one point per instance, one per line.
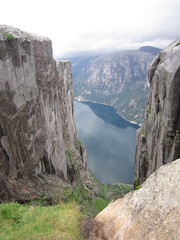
(112, 191)
(137, 184)
(19, 222)
(91, 205)
(91, 196)
(62, 221)
(149, 109)
(69, 154)
(37, 220)
(9, 36)
(79, 142)
(178, 43)
(142, 132)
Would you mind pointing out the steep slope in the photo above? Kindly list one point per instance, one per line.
(158, 141)
(152, 212)
(118, 79)
(37, 128)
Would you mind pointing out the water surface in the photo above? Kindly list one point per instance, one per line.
(109, 140)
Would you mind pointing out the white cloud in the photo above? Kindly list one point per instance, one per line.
(96, 24)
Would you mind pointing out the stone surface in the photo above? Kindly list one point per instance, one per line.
(37, 127)
(158, 141)
(152, 212)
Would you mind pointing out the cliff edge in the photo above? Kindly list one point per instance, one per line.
(158, 141)
(37, 127)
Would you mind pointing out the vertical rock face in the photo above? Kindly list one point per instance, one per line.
(158, 141)
(36, 115)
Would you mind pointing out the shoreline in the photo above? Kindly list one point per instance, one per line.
(84, 100)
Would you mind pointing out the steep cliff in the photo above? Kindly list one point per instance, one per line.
(158, 141)
(37, 128)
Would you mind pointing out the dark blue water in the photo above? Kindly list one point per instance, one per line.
(109, 140)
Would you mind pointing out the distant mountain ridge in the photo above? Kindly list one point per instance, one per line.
(118, 79)
(150, 49)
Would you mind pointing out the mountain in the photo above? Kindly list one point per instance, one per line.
(150, 49)
(118, 79)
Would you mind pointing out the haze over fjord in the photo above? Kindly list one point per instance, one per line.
(96, 25)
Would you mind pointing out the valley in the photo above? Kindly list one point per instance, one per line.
(118, 79)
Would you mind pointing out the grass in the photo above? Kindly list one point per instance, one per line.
(62, 221)
(34, 221)
(9, 36)
(142, 132)
(137, 184)
(79, 142)
(149, 109)
(92, 205)
(19, 222)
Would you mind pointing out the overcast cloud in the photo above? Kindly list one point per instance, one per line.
(96, 24)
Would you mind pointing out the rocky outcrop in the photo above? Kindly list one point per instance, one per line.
(152, 212)
(158, 141)
(37, 128)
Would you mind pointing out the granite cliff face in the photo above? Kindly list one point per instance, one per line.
(158, 141)
(37, 128)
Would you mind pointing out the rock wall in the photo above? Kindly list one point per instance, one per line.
(158, 141)
(37, 128)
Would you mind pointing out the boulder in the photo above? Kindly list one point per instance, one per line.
(152, 212)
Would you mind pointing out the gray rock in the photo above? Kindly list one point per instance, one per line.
(37, 124)
(158, 141)
(152, 212)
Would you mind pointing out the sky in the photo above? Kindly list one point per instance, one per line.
(93, 25)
